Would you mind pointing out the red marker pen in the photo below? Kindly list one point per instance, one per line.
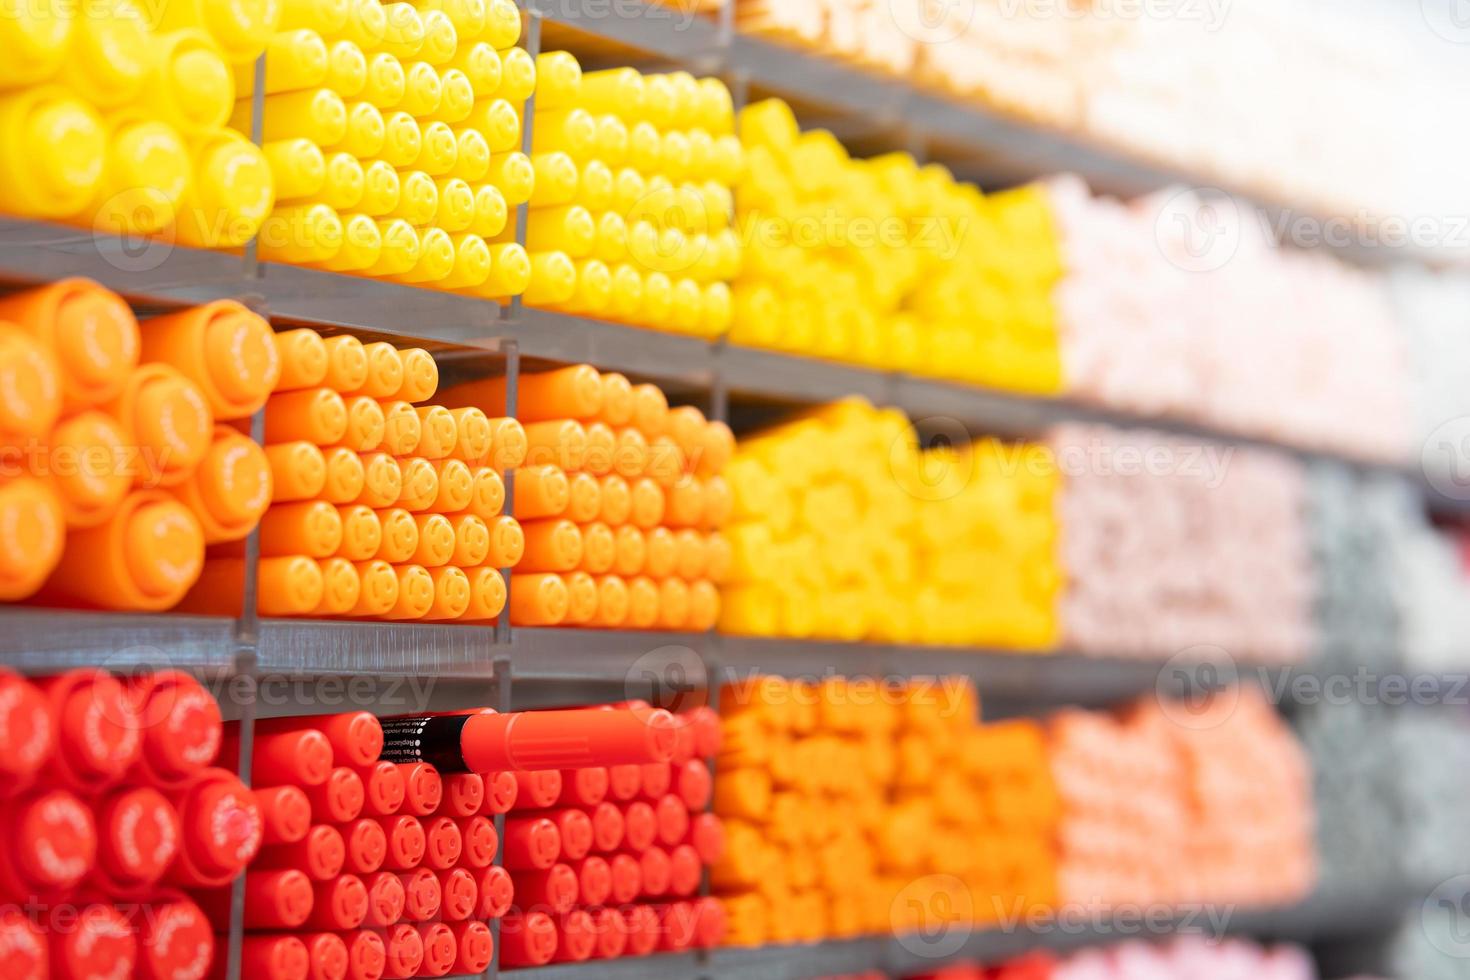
(594, 880)
(576, 937)
(655, 779)
(23, 945)
(464, 794)
(673, 820)
(367, 956)
(643, 929)
(624, 782)
(222, 829)
(406, 842)
(608, 828)
(611, 928)
(480, 842)
(321, 854)
(654, 863)
(25, 717)
(627, 878)
(274, 957)
(553, 890)
(175, 942)
(461, 894)
(383, 788)
(707, 732)
(422, 894)
(501, 792)
(137, 838)
(685, 870)
(531, 844)
(326, 955)
(707, 837)
(527, 940)
(497, 892)
(97, 729)
(386, 899)
(583, 787)
(405, 952)
(444, 844)
(687, 741)
(574, 827)
(302, 757)
(537, 790)
(709, 923)
(99, 944)
(367, 846)
(181, 727)
(693, 783)
(440, 949)
(423, 789)
(676, 926)
(273, 900)
(285, 814)
(356, 737)
(341, 903)
(640, 826)
(530, 740)
(340, 799)
(475, 946)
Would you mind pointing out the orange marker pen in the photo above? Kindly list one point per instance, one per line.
(145, 557)
(341, 587)
(230, 489)
(168, 420)
(224, 348)
(377, 588)
(602, 444)
(650, 410)
(585, 498)
(471, 541)
(464, 794)
(382, 484)
(539, 600)
(285, 812)
(452, 593)
(461, 894)
(691, 559)
(630, 551)
(90, 490)
(137, 837)
(174, 940)
(439, 432)
(435, 540)
(507, 542)
(643, 596)
(445, 845)
(384, 376)
(303, 358)
(531, 844)
(541, 491)
(367, 955)
(627, 879)
(366, 424)
(577, 937)
(554, 888)
(456, 486)
(665, 460)
(630, 457)
(347, 364)
(406, 842)
(716, 449)
(538, 788)
(662, 552)
(420, 484)
(612, 602)
(497, 892)
(275, 957)
(686, 425)
(552, 545)
(685, 502)
(599, 548)
(704, 606)
(401, 428)
(415, 593)
(222, 829)
(315, 415)
(362, 533)
(91, 332)
(339, 904)
(673, 604)
(440, 949)
(616, 500)
(562, 444)
(487, 594)
(309, 527)
(298, 471)
(474, 945)
(320, 853)
(581, 598)
(654, 864)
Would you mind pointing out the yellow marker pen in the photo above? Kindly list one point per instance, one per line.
(386, 81)
(347, 70)
(191, 87)
(611, 243)
(627, 293)
(472, 156)
(556, 180)
(231, 194)
(111, 52)
(499, 121)
(515, 175)
(491, 212)
(687, 306)
(345, 184)
(645, 147)
(362, 244)
(629, 188)
(441, 37)
(400, 251)
(418, 198)
(658, 299)
(403, 30)
(146, 175)
(36, 39)
(366, 132)
(456, 211)
(595, 185)
(572, 131)
(510, 272)
(423, 90)
(593, 295)
(553, 279)
(295, 60)
(402, 139)
(517, 75)
(241, 29)
(318, 115)
(614, 90)
(471, 263)
(303, 233)
(502, 24)
(481, 65)
(612, 140)
(381, 189)
(458, 100)
(439, 151)
(568, 229)
(436, 258)
(366, 25)
(325, 17)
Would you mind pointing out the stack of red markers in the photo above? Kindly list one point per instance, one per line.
(112, 818)
(608, 860)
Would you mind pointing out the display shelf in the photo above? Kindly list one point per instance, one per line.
(34, 639)
(660, 966)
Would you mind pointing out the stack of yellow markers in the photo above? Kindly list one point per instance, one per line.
(888, 264)
(631, 216)
(844, 529)
(394, 131)
(112, 115)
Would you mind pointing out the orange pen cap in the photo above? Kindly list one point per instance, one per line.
(653, 862)
(309, 527)
(341, 587)
(691, 554)
(497, 892)
(422, 894)
(719, 501)
(673, 604)
(612, 602)
(584, 498)
(34, 535)
(650, 410)
(507, 542)
(415, 593)
(401, 428)
(554, 888)
(224, 348)
(631, 550)
(345, 475)
(298, 471)
(316, 415)
(456, 486)
(567, 393)
(420, 484)
(602, 447)
(654, 781)
(617, 500)
(289, 586)
(145, 557)
(552, 545)
(665, 460)
(439, 432)
(582, 598)
(406, 842)
(508, 443)
(338, 904)
(617, 400)
(537, 788)
(168, 420)
(647, 503)
(474, 945)
(91, 332)
(684, 501)
(384, 376)
(704, 606)
(539, 600)
(137, 837)
(630, 458)
(487, 594)
(303, 357)
(444, 843)
(420, 375)
(347, 364)
(530, 844)
(367, 955)
(481, 842)
(385, 790)
(366, 424)
(362, 533)
(436, 540)
(386, 897)
(400, 535)
(222, 829)
(716, 447)
(471, 540)
(487, 493)
(686, 426)
(560, 443)
(320, 853)
(541, 491)
(599, 548)
(230, 489)
(684, 870)
(643, 596)
(275, 957)
(277, 899)
(94, 479)
(452, 593)
(461, 894)
(382, 483)
(440, 949)
(662, 553)
(464, 794)
(476, 436)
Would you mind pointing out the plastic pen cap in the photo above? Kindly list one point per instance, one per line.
(575, 827)
(608, 827)
(286, 813)
(405, 947)
(474, 947)
(444, 844)
(406, 842)
(627, 878)
(53, 844)
(366, 846)
(90, 491)
(480, 841)
(222, 829)
(460, 894)
(90, 331)
(298, 757)
(175, 942)
(707, 837)
(422, 894)
(502, 790)
(401, 430)
(226, 349)
(685, 870)
(385, 789)
(527, 940)
(497, 892)
(275, 957)
(99, 943)
(231, 488)
(338, 904)
(531, 844)
(583, 787)
(594, 880)
(624, 781)
(611, 929)
(657, 871)
(539, 600)
(277, 899)
(464, 794)
(30, 732)
(537, 789)
(577, 937)
(367, 954)
(640, 825)
(327, 955)
(321, 853)
(97, 727)
(386, 899)
(554, 888)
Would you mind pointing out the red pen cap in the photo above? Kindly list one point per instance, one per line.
(340, 903)
(497, 892)
(640, 826)
(531, 843)
(655, 780)
(480, 842)
(404, 952)
(707, 837)
(654, 863)
(222, 829)
(302, 757)
(386, 899)
(537, 790)
(552, 890)
(406, 842)
(594, 880)
(501, 792)
(340, 799)
(181, 726)
(23, 945)
(709, 923)
(583, 787)
(367, 955)
(460, 894)
(574, 739)
(627, 878)
(576, 937)
(608, 828)
(464, 793)
(100, 943)
(673, 820)
(274, 957)
(421, 893)
(97, 729)
(367, 845)
(356, 737)
(326, 954)
(137, 838)
(51, 844)
(30, 735)
(575, 828)
(527, 940)
(440, 949)
(707, 731)
(285, 813)
(423, 789)
(643, 929)
(275, 899)
(685, 870)
(444, 844)
(611, 929)
(475, 945)
(384, 789)
(694, 784)
(321, 853)
(624, 782)
(686, 742)
(677, 921)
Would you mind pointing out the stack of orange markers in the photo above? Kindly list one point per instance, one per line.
(383, 506)
(621, 499)
(128, 474)
(113, 813)
(371, 868)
